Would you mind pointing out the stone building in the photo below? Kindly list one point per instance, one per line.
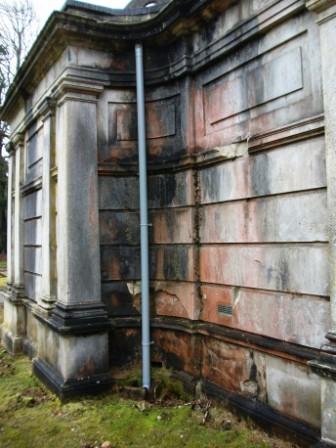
(241, 140)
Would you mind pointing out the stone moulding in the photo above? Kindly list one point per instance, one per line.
(76, 320)
(288, 350)
(65, 27)
(295, 132)
(307, 128)
(319, 5)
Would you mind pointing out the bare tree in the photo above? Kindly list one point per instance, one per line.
(17, 22)
(17, 30)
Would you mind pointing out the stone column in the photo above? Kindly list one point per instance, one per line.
(13, 329)
(326, 365)
(47, 298)
(10, 216)
(77, 357)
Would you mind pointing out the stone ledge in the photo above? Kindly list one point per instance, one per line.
(324, 368)
(13, 295)
(265, 344)
(293, 132)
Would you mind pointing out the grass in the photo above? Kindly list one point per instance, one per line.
(3, 281)
(31, 416)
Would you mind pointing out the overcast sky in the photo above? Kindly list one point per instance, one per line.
(44, 8)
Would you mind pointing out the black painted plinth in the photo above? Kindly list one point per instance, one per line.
(73, 387)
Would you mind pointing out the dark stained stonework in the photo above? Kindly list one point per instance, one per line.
(240, 116)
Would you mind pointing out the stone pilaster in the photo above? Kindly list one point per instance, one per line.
(326, 364)
(47, 294)
(10, 216)
(77, 357)
(18, 142)
(14, 326)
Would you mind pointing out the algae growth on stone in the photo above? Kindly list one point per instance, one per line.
(31, 416)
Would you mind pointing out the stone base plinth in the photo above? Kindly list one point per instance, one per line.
(73, 386)
(72, 360)
(325, 366)
(14, 325)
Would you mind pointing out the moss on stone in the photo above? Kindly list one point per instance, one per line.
(31, 416)
(3, 281)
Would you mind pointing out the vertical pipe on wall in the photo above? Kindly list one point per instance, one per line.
(145, 306)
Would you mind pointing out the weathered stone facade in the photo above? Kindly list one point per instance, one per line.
(241, 133)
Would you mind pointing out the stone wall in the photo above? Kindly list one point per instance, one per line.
(239, 198)
(237, 195)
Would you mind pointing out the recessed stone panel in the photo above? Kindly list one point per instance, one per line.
(160, 120)
(32, 285)
(32, 205)
(33, 232)
(252, 86)
(33, 260)
(34, 153)
(163, 128)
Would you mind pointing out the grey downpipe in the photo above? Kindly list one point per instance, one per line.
(145, 305)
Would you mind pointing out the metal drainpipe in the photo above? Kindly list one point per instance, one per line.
(145, 305)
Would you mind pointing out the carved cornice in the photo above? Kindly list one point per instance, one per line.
(326, 9)
(64, 29)
(70, 88)
(18, 139)
(319, 5)
(46, 108)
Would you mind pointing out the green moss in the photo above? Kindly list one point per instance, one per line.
(130, 377)
(167, 387)
(3, 281)
(31, 416)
